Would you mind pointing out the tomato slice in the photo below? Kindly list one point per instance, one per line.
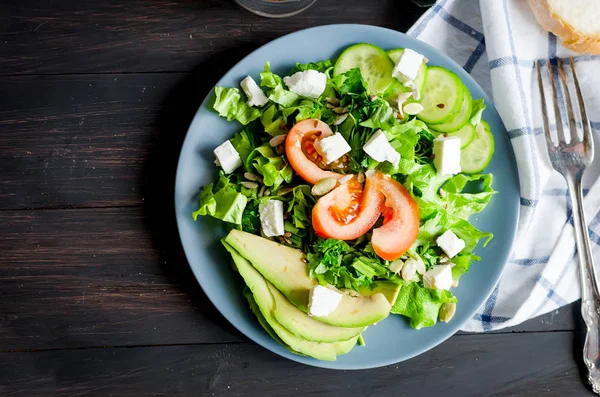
(347, 212)
(298, 146)
(400, 219)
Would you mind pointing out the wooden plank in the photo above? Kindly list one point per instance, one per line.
(112, 276)
(93, 140)
(63, 36)
(481, 365)
(96, 277)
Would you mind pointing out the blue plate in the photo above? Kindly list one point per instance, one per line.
(392, 340)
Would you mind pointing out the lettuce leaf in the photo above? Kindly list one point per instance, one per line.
(275, 89)
(229, 104)
(273, 168)
(421, 305)
(478, 108)
(322, 67)
(222, 201)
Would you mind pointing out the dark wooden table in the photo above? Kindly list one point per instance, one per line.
(96, 297)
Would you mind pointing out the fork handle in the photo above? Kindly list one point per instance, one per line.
(590, 293)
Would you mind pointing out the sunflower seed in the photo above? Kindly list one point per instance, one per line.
(372, 97)
(277, 140)
(280, 239)
(343, 180)
(249, 185)
(285, 190)
(340, 110)
(409, 270)
(288, 241)
(250, 176)
(261, 192)
(267, 192)
(340, 119)
(304, 260)
(399, 114)
(360, 177)
(444, 259)
(333, 101)
(330, 106)
(324, 186)
(413, 108)
(447, 311)
(287, 234)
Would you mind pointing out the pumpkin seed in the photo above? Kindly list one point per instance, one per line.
(360, 177)
(340, 110)
(251, 177)
(447, 311)
(285, 190)
(324, 186)
(340, 119)
(277, 140)
(249, 185)
(413, 108)
(261, 192)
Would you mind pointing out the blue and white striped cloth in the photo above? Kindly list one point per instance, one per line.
(497, 43)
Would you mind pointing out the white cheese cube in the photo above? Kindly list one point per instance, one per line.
(332, 148)
(450, 243)
(408, 66)
(446, 155)
(379, 149)
(256, 96)
(322, 301)
(309, 83)
(271, 218)
(440, 277)
(227, 157)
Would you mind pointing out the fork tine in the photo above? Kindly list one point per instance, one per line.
(560, 131)
(570, 113)
(585, 122)
(547, 131)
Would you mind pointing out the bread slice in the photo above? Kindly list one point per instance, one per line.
(576, 22)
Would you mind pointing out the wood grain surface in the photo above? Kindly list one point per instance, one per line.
(96, 296)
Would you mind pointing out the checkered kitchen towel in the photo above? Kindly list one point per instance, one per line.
(497, 43)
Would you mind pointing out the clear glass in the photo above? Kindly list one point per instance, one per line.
(275, 8)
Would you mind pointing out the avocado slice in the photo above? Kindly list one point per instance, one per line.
(303, 326)
(284, 267)
(389, 289)
(261, 319)
(266, 303)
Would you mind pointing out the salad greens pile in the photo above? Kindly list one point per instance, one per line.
(445, 202)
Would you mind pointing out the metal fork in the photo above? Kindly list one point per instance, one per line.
(571, 157)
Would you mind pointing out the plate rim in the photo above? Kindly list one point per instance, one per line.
(453, 328)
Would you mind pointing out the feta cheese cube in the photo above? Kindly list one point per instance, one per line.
(256, 96)
(446, 155)
(332, 148)
(309, 83)
(227, 157)
(450, 243)
(322, 301)
(379, 149)
(408, 66)
(271, 218)
(439, 277)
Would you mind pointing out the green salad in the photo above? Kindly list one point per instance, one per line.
(347, 192)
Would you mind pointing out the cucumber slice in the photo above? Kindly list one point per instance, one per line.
(395, 55)
(374, 64)
(457, 121)
(442, 96)
(466, 134)
(478, 154)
